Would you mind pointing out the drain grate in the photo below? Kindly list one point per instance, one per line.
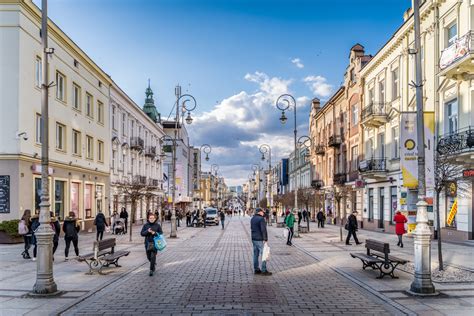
(233, 293)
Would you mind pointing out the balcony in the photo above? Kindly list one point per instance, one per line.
(373, 168)
(460, 145)
(334, 141)
(320, 150)
(456, 61)
(150, 151)
(374, 115)
(340, 178)
(140, 180)
(136, 143)
(153, 182)
(317, 184)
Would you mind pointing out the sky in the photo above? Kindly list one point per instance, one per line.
(234, 56)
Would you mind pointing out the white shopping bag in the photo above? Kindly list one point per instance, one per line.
(285, 232)
(266, 252)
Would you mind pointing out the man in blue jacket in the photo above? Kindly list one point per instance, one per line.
(258, 227)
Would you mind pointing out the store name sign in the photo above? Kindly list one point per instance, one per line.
(38, 168)
(468, 173)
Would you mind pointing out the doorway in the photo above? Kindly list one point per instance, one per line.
(381, 207)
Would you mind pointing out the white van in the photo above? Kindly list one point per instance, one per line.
(212, 216)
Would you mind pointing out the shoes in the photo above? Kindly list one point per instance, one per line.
(267, 273)
(34, 258)
(358, 243)
(258, 271)
(401, 245)
(66, 259)
(349, 244)
(151, 273)
(398, 244)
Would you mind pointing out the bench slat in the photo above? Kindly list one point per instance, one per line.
(364, 257)
(377, 246)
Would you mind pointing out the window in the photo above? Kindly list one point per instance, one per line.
(381, 145)
(369, 145)
(76, 97)
(355, 114)
(132, 128)
(354, 158)
(89, 147)
(371, 96)
(452, 116)
(60, 137)
(89, 105)
(100, 151)
(382, 91)
(75, 198)
(100, 112)
(395, 143)
(59, 198)
(114, 126)
(352, 76)
(88, 200)
(38, 72)
(60, 86)
(76, 142)
(371, 204)
(393, 203)
(452, 33)
(114, 158)
(38, 129)
(124, 121)
(395, 84)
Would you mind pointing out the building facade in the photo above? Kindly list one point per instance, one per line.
(79, 134)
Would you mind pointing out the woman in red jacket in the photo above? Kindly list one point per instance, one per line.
(400, 221)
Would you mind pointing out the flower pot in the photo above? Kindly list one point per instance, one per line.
(7, 239)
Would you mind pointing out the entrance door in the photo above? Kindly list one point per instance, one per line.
(371, 204)
(381, 207)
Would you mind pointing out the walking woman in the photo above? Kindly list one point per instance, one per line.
(149, 231)
(24, 229)
(100, 223)
(71, 229)
(290, 223)
(400, 221)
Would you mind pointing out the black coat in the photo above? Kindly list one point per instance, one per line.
(124, 214)
(148, 236)
(352, 222)
(71, 228)
(100, 222)
(320, 216)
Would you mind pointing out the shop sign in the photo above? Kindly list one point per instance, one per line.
(4, 194)
(37, 169)
(452, 212)
(468, 173)
(359, 184)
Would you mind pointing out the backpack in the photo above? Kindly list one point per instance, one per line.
(71, 229)
(22, 228)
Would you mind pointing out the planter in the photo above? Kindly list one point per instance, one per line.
(7, 239)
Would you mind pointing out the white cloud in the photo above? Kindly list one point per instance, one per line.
(319, 86)
(239, 124)
(297, 62)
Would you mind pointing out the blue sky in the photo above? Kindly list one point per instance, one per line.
(232, 56)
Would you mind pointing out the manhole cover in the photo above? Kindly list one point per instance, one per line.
(233, 293)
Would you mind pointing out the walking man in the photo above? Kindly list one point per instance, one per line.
(320, 218)
(352, 227)
(259, 238)
(290, 223)
(222, 216)
(124, 216)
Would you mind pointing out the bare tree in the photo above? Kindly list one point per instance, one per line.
(134, 190)
(263, 203)
(447, 173)
(340, 194)
(306, 197)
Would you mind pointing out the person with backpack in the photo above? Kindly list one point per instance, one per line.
(100, 223)
(71, 229)
(290, 223)
(222, 216)
(149, 231)
(24, 229)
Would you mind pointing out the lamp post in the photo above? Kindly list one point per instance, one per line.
(207, 150)
(214, 169)
(266, 149)
(183, 100)
(45, 284)
(256, 168)
(283, 103)
(422, 284)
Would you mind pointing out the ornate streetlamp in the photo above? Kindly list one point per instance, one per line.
(207, 150)
(266, 149)
(283, 103)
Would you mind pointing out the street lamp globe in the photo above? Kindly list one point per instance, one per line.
(207, 157)
(189, 119)
(283, 118)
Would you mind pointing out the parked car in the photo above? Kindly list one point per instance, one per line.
(212, 216)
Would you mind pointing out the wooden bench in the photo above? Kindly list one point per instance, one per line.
(103, 255)
(379, 258)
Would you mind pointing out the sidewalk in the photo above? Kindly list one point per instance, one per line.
(324, 245)
(17, 275)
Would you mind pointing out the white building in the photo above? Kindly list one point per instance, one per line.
(135, 150)
(79, 134)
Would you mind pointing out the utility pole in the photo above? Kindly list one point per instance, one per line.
(173, 234)
(45, 284)
(422, 284)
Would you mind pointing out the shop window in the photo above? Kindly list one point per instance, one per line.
(393, 203)
(37, 193)
(59, 199)
(75, 198)
(88, 200)
(371, 205)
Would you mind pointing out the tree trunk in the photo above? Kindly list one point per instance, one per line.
(133, 211)
(438, 226)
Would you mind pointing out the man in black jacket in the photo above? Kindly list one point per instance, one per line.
(149, 231)
(259, 238)
(124, 216)
(352, 228)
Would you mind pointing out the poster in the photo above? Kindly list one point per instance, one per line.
(452, 212)
(4, 194)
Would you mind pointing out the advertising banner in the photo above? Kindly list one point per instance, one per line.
(452, 212)
(429, 122)
(408, 150)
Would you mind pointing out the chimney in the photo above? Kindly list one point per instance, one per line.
(315, 104)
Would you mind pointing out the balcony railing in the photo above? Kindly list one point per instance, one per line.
(460, 142)
(334, 141)
(150, 151)
(320, 150)
(462, 47)
(140, 180)
(340, 178)
(136, 143)
(373, 165)
(153, 182)
(374, 114)
(317, 184)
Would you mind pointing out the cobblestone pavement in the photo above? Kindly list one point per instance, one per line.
(211, 273)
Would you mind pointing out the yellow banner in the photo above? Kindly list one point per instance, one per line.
(452, 212)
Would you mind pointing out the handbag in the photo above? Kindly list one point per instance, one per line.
(266, 252)
(159, 242)
(346, 227)
(285, 233)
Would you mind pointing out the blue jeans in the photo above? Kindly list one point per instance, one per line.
(257, 251)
